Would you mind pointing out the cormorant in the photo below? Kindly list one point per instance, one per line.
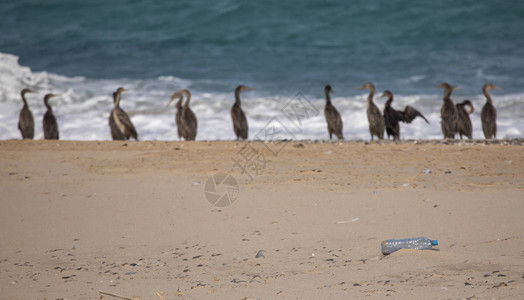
(334, 121)
(464, 126)
(375, 118)
(116, 134)
(488, 115)
(448, 112)
(178, 114)
(26, 123)
(122, 128)
(237, 115)
(49, 121)
(189, 119)
(393, 116)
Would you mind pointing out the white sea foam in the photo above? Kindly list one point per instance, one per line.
(84, 104)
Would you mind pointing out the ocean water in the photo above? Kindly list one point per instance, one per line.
(84, 50)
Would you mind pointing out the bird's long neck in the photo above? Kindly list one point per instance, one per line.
(237, 97)
(188, 98)
(447, 94)
(328, 97)
(46, 102)
(389, 101)
(486, 93)
(179, 102)
(469, 105)
(371, 95)
(116, 99)
(23, 98)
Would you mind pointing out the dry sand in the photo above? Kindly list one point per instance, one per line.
(130, 218)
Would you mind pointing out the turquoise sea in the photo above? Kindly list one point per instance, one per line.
(84, 50)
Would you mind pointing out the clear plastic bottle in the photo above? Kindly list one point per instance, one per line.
(420, 243)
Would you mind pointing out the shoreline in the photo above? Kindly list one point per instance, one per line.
(506, 141)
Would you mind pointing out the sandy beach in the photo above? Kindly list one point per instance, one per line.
(79, 220)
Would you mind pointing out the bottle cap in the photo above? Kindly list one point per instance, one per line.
(434, 242)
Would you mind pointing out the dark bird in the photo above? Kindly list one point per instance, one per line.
(178, 114)
(116, 134)
(26, 123)
(393, 116)
(334, 121)
(238, 116)
(375, 118)
(464, 126)
(119, 122)
(448, 112)
(189, 119)
(488, 114)
(49, 121)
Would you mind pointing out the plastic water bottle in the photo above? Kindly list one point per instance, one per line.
(420, 243)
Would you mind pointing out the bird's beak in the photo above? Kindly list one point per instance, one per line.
(437, 86)
(383, 95)
(249, 88)
(360, 87)
(497, 87)
(456, 88)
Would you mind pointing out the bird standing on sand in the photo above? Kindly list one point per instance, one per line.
(116, 134)
(26, 123)
(185, 119)
(488, 114)
(464, 126)
(237, 115)
(393, 116)
(375, 118)
(189, 119)
(178, 115)
(121, 126)
(49, 121)
(448, 112)
(334, 121)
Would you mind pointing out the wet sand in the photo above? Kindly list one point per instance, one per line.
(131, 218)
